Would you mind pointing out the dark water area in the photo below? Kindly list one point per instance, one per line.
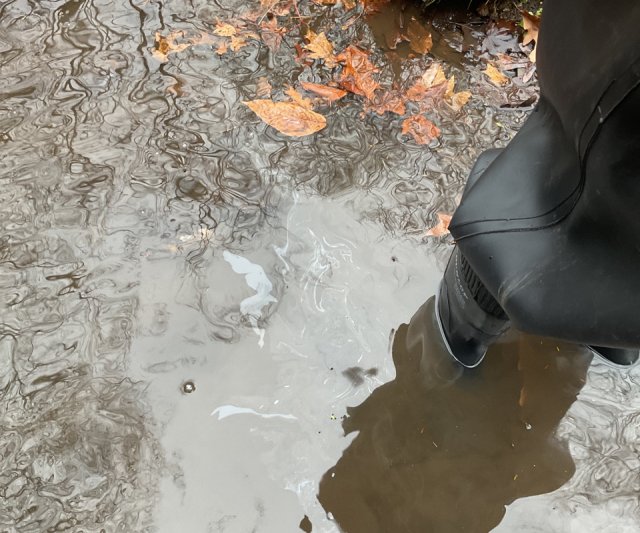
(190, 300)
(440, 448)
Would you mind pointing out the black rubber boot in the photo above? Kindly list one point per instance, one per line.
(469, 318)
(621, 357)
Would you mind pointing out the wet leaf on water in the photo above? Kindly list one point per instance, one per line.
(373, 6)
(223, 48)
(224, 29)
(357, 73)
(298, 99)
(328, 93)
(455, 100)
(168, 45)
(272, 34)
(320, 48)
(441, 228)
(531, 25)
(263, 90)
(495, 76)
(237, 42)
(419, 37)
(420, 128)
(391, 101)
(287, 117)
(429, 85)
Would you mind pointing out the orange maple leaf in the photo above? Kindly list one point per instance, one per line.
(430, 84)
(287, 117)
(357, 73)
(420, 128)
(320, 48)
(391, 101)
(224, 29)
(441, 228)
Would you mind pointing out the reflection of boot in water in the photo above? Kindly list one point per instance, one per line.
(442, 448)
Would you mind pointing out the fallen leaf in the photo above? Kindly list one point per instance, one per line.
(506, 62)
(421, 128)
(297, 98)
(531, 25)
(223, 48)
(357, 73)
(263, 90)
(373, 6)
(272, 34)
(168, 45)
(455, 100)
(237, 42)
(288, 118)
(432, 78)
(320, 48)
(495, 76)
(441, 228)
(328, 93)
(382, 102)
(224, 29)
(419, 37)
(349, 4)
(325, 2)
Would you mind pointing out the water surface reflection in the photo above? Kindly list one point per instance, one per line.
(440, 449)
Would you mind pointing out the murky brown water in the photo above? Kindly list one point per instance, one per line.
(191, 301)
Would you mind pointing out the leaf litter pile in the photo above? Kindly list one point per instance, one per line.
(337, 63)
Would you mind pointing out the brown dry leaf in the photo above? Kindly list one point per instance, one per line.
(288, 118)
(531, 25)
(325, 2)
(419, 37)
(441, 228)
(263, 90)
(373, 6)
(349, 4)
(168, 45)
(357, 74)
(430, 84)
(223, 48)
(421, 128)
(328, 93)
(455, 100)
(391, 101)
(298, 98)
(495, 76)
(224, 29)
(272, 34)
(320, 48)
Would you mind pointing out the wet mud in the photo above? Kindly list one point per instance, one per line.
(190, 301)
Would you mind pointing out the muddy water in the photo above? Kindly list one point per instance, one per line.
(191, 301)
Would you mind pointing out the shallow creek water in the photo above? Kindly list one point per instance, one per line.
(193, 305)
